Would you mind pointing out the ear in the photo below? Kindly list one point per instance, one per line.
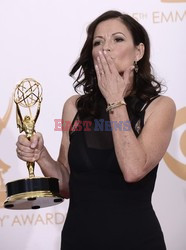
(140, 50)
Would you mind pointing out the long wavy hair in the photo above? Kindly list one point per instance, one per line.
(145, 85)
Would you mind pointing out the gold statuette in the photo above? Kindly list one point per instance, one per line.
(33, 192)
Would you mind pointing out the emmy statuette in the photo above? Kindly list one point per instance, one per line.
(33, 192)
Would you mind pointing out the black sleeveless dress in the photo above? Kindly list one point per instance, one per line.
(105, 212)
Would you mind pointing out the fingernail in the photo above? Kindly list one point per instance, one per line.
(33, 145)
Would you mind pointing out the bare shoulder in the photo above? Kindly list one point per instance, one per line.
(71, 101)
(69, 109)
(161, 106)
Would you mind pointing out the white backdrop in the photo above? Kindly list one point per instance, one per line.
(42, 39)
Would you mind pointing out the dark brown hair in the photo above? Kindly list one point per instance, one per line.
(145, 85)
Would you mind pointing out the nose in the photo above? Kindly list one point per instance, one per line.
(106, 46)
(106, 49)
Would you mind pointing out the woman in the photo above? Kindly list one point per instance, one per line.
(109, 175)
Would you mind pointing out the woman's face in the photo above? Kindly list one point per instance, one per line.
(113, 36)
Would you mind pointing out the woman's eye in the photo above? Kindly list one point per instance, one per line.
(119, 39)
(96, 43)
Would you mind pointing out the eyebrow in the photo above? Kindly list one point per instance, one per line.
(112, 34)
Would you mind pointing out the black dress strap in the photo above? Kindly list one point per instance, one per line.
(72, 124)
(149, 102)
(140, 123)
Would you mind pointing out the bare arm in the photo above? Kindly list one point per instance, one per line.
(138, 156)
(34, 150)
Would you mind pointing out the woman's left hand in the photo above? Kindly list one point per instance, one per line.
(113, 86)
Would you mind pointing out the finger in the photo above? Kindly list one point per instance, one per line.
(97, 72)
(99, 78)
(27, 159)
(28, 156)
(110, 62)
(25, 149)
(23, 140)
(35, 140)
(104, 63)
(22, 153)
(100, 67)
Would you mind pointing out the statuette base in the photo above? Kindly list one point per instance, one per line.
(32, 193)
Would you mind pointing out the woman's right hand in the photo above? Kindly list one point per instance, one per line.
(30, 150)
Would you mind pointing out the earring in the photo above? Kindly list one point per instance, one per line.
(136, 68)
